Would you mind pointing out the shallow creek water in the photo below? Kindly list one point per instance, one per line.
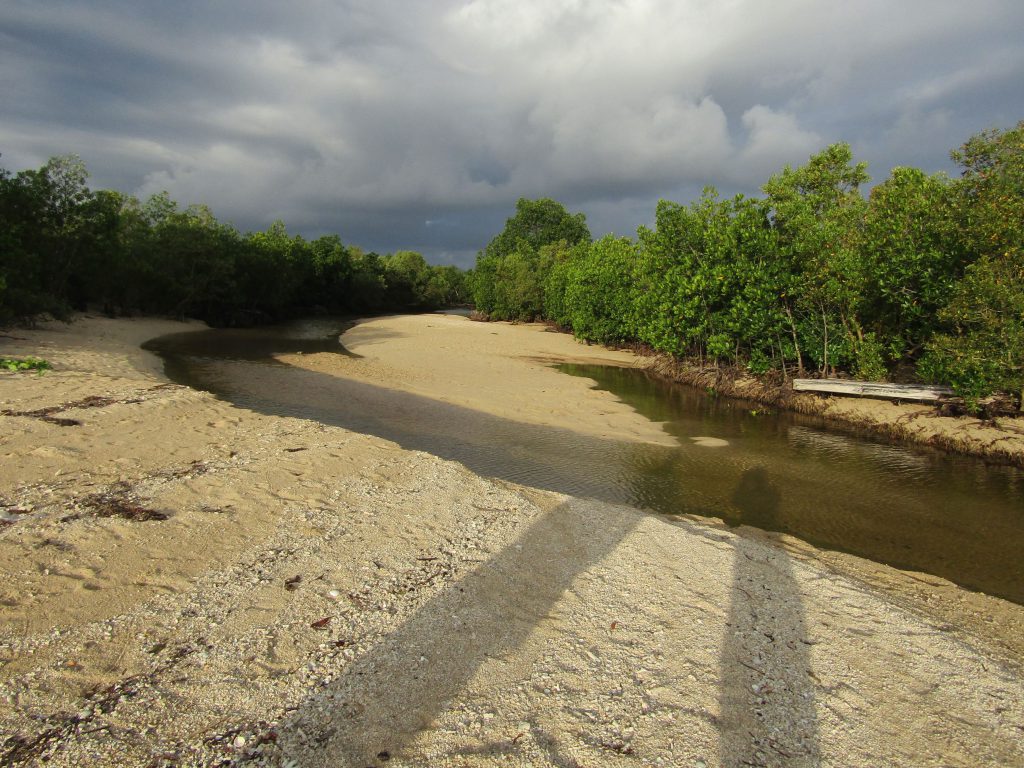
(914, 508)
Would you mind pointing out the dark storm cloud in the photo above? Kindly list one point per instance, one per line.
(417, 125)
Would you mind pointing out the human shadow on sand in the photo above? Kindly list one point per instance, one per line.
(405, 683)
(399, 687)
(767, 706)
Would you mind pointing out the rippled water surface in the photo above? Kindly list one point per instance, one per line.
(951, 516)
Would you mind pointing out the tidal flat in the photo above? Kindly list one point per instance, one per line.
(311, 595)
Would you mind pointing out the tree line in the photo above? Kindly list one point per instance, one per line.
(922, 279)
(65, 247)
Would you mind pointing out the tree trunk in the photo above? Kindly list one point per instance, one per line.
(824, 354)
(796, 342)
(782, 358)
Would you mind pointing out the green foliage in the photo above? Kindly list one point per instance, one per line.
(511, 274)
(598, 299)
(670, 312)
(192, 262)
(984, 350)
(816, 211)
(483, 281)
(537, 223)
(45, 219)
(708, 283)
(270, 268)
(445, 287)
(24, 364)
(990, 192)
(558, 258)
(927, 271)
(518, 286)
(912, 257)
(406, 275)
(329, 273)
(64, 247)
(869, 361)
(981, 349)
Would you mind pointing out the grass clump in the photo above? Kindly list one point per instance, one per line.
(25, 364)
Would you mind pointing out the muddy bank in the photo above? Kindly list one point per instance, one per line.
(310, 596)
(999, 440)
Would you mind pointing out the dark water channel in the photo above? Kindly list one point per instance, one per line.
(951, 516)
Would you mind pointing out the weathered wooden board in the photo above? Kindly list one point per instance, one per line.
(917, 392)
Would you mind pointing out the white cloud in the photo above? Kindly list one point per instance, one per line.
(667, 139)
(372, 117)
(775, 139)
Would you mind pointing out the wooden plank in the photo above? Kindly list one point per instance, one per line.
(916, 392)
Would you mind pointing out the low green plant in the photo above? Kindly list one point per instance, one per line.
(869, 359)
(26, 364)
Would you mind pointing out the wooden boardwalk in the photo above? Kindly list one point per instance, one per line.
(916, 392)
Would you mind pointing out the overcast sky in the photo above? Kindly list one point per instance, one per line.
(418, 124)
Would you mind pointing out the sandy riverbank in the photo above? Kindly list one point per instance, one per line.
(314, 596)
(504, 369)
(498, 368)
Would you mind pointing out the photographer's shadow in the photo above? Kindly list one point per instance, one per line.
(767, 704)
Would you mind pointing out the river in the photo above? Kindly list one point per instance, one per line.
(914, 508)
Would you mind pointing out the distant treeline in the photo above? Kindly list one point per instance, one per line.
(64, 247)
(922, 279)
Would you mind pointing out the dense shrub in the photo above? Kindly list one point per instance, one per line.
(64, 247)
(927, 271)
